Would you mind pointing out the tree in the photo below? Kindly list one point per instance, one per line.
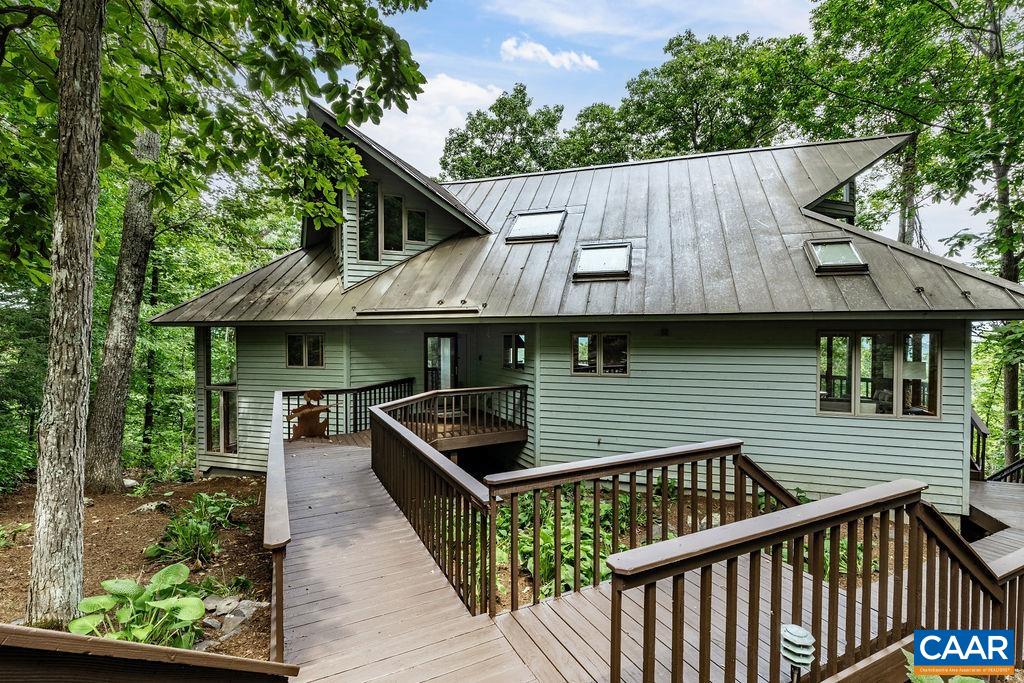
(714, 94)
(505, 138)
(599, 137)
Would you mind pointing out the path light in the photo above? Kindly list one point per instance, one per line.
(797, 649)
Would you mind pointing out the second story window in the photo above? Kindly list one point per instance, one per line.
(305, 350)
(369, 220)
(393, 231)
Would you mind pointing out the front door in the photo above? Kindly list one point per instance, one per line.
(441, 351)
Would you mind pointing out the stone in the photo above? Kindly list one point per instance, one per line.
(716, 521)
(226, 605)
(130, 483)
(210, 602)
(204, 645)
(233, 620)
(19, 622)
(88, 502)
(155, 506)
(249, 607)
(210, 622)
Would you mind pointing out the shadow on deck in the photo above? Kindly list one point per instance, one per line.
(365, 600)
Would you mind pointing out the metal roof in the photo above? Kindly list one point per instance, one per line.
(712, 235)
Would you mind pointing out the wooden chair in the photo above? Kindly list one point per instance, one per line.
(307, 417)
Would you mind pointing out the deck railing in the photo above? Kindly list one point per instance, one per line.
(276, 525)
(349, 408)
(458, 418)
(1013, 473)
(618, 501)
(445, 506)
(905, 567)
(979, 444)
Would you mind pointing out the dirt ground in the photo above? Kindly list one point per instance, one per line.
(115, 540)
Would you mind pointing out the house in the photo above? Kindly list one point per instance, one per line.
(642, 304)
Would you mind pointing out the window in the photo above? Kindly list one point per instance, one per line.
(602, 262)
(600, 354)
(415, 226)
(859, 373)
(369, 220)
(536, 226)
(393, 232)
(305, 350)
(834, 256)
(514, 351)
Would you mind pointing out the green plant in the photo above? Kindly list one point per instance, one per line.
(215, 509)
(144, 488)
(914, 678)
(9, 533)
(212, 585)
(191, 535)
(161, 613)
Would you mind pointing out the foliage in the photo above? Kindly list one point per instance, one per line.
(212, 585)
(164, 612)
(598, 137)
(191, 534)
(9, 533)
(914, 678)
(505, 138)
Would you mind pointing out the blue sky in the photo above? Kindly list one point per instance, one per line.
(568, 53)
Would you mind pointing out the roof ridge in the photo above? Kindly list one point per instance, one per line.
(682, 157)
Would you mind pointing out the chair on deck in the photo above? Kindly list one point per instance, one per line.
(307, 417)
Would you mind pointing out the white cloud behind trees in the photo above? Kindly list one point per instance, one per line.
(513, 49)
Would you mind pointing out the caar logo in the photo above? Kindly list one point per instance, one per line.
(976, 652)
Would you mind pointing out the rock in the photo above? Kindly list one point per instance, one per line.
(249, 607)
(204, 645)
(130, 483)
(18, 622)
(210, 622)
(716, 521)
(225, 605)
(211, 602)
(233, 620)
(88, 502)
(155, 506)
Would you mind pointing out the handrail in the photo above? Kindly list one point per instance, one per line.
(448, 392)
(1013, 472)
(276, 525)
(957, 545)
(664, 559)
(978, 443)
(766, 481)
(351, 390)
(348, 406)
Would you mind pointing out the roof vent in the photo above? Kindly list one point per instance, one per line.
(835, 256)
(536, 226)
(609, 261)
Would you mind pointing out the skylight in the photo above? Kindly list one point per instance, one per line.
(832, 256)
(536, 226)
(602, 262)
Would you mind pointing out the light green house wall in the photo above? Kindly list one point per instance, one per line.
(440, 225)
(687, 382)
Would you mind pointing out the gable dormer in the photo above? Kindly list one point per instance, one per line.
(396, 213)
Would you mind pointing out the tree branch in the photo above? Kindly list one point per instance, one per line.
(31, 12)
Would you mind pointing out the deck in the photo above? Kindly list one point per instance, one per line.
(364, 600)
(998, 506)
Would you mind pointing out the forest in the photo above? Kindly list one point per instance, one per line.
(154, 149)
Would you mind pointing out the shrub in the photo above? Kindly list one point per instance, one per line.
(9, 533)
(191, 535)
(161, 613)
(17, 459)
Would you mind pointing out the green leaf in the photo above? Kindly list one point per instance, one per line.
(171, 575)
(142, 632)
(190, 609)
(122, 588)
(86, 625)
(97, 603)
(165, 604)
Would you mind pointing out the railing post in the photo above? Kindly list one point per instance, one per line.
(914, 587)
(492, 555)
(616, 627)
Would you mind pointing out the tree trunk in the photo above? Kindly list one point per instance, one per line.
(908, 226)
(149, 417)
(103, 473)
(55, 582)
(1009, 269)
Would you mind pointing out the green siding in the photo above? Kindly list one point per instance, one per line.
(440, 225)
(690, 383)
(488, 370)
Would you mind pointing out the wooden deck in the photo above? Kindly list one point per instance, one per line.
(1001, 500)
(364, 600)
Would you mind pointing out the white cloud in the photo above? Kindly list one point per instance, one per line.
(418, 136)
(512, 49)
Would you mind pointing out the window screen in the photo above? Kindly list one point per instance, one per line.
(314, 350)
(369, 221)
(614, 351)
(920, 372)
(416, 226)
(602, 261)
(296, 357)
(536, 226)
(393, 224)
(835, 366)
(584, 354)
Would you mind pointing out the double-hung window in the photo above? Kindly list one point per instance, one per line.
(876, 373)
(600, 354)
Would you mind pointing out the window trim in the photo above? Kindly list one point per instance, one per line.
(603, 275)
(305, 349)
(409, 240)
(600, 354)
(510, 239)
(897, 372)
(515, 365)
(401, 198)
(380, 221)
(835, 269)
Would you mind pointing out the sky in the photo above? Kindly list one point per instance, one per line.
(573, 54)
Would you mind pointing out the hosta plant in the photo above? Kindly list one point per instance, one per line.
(164, 612)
